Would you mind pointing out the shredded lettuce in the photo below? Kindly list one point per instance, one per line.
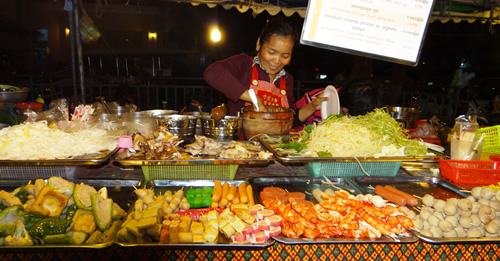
(374, 134)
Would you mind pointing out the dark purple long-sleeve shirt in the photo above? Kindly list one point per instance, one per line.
(232, 77)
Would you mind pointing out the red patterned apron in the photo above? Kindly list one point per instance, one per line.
(268, 93)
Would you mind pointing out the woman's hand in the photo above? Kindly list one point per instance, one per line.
(246, 97)
(312, 107)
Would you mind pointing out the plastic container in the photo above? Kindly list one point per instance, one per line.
(40, 172)
(23, 107)
(353, 169)
(200, 171)
(471, 171)
(125, 142)
(491, 140)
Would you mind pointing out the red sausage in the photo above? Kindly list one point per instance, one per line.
(297, 195)
(410, 200)
(275, 190)
(265, 195)
(305, 202)
(391, 196)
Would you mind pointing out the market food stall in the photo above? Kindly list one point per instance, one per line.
(279, 179)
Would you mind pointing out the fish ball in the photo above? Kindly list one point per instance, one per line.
(490, 235)
(436, 232)
(433, 220)
(491, 227)
(426, 233)
(419, 224)
(475, 220)
(487, 193)
(465, 213)
(471, 198)
(439, 205)
(486, 214)
(464, 204)
(495, 205)
(483, 202)
(496, 220)
(453, 201)
(465, 222)
(427, 226)
(450, 208)
(445, 226)
(453, 220)
(476, 192)
(475, 207)
(460, 231)
(474, 232)
(428, 200)
(411, 214)
(450, 234)
(425, 213)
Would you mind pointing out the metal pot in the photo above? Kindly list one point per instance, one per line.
(13, 94)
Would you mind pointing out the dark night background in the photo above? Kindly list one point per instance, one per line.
(185, 49)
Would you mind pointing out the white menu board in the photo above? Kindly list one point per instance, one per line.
(391, 30)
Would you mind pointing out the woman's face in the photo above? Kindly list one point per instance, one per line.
(276, 53)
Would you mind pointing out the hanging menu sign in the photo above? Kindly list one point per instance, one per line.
(391, 30)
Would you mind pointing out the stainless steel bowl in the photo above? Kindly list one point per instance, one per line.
(13, 94)
(225, 129)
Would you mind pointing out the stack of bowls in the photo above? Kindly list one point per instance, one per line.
(228, 128)
(198, 115)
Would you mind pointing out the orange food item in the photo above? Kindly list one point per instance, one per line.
(297, 195)
(276, 190)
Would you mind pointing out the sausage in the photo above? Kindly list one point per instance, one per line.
(305, 202)
(297, 195)
(391, 196)
(276, 190)
(266, 195)
(243, 193)
(251, 200)
(410, 200)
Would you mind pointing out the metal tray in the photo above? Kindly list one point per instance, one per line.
(122, 158)
(285, 157)
(120, 191)
(420, 186)
(303, 184)
(160, 186)
(85, 159)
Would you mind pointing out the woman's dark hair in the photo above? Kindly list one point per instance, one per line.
(360, 96)
(278, 27)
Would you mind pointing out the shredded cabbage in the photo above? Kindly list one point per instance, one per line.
(375, 134)
(30, 141)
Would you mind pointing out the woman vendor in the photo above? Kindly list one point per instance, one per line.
(264, 73)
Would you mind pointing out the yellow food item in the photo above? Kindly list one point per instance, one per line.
(84, 221)
(184, 226)
(217, 191)
(231, 193)
(251, 200)
(210, 235)
(185, 237)
(49, 203)
(198, 238)
(225, 190)
(242, 190)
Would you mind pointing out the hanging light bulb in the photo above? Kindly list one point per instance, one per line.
(215, 34)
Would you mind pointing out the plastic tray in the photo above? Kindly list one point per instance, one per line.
(471, 171)
(353, 169)
(39, 172)
(492, 139)
(202, 171)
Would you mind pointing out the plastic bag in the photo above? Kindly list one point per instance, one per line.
(88, 30)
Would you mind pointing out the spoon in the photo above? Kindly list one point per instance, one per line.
(254, 98)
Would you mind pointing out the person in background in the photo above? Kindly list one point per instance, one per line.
(263, 72)
(357, 97)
